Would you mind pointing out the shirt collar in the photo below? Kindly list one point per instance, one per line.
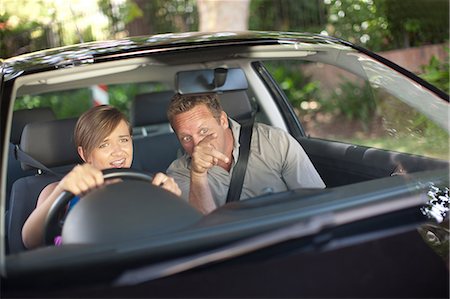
(236, 131)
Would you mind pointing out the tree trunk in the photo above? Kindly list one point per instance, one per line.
(223, 15)
(140, 25)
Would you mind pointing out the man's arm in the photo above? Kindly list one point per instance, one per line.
(200, 195)
(204, 156)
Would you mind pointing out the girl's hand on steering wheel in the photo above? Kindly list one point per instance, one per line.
(81, 179)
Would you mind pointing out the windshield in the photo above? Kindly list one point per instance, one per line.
(339, 141)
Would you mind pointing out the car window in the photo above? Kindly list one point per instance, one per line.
(72, 103)
(334, 104)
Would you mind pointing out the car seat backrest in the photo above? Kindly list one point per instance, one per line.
(156, 146)
(24, 195)
(155, 153)
(25, 116)
(19, 120)
(236, 104)
(51, 143)
(150, 108)
(148, 113)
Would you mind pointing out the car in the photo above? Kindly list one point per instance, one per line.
(376, 133)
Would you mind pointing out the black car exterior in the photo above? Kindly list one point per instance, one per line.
(367, 235)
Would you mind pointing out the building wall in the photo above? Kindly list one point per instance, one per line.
(413, 58)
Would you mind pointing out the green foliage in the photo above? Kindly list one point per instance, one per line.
(72, 103)
(162, 16)
(377, 25)
(297, 86)
(437, 72)
(120, 96)
(389, 24)
(130, 12)
(287, 15)
(121, 14)
(352, 100)
(358, 21)
(16, 39)
(65, 104)
(416, 22)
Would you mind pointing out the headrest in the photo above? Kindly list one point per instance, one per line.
(50, 143)
(25, 116)
(236, 104)
(150, 108)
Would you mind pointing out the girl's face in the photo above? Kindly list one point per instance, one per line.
(115, 151)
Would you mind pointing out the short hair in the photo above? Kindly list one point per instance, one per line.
(95, 125)
(182, 103)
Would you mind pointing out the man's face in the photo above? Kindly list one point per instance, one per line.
(194, 125)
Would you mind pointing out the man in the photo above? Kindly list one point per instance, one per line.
(210, 139)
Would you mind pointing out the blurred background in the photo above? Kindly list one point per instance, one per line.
(390, 27)
(380, 25)
(412, 33)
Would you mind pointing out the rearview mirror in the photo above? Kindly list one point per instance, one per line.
(210, 80)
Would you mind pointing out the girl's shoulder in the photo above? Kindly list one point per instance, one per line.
(45, 193)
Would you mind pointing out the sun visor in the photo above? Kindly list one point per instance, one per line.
(210, 80)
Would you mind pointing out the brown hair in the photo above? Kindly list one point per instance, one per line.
(95, 125)
(183, 103)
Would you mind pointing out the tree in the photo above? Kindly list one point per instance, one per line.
(288, 15)
(119, 15)
(359, 21)
(162, 16)
(416, 22)
(27, 26)
(223, 15)
(389, 24)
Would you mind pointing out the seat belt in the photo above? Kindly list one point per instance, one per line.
(30, 161)
(237, 178)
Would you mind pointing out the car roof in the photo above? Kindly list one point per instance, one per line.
(87, 53)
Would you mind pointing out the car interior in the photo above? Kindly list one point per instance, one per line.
(371, 193)
(49, 140)
(155, 144)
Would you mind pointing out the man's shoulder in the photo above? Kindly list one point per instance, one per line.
(269, 130)
(181, 163)
(264, 126)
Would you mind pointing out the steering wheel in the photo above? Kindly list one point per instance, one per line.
(52, 226)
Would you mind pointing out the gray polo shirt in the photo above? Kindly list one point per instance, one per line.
(276, 163)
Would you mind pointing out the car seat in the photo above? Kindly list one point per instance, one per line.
(19, 120)
(148, 113)
(237, 105)
(155, 145)
(51, 143)
(25, 116)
